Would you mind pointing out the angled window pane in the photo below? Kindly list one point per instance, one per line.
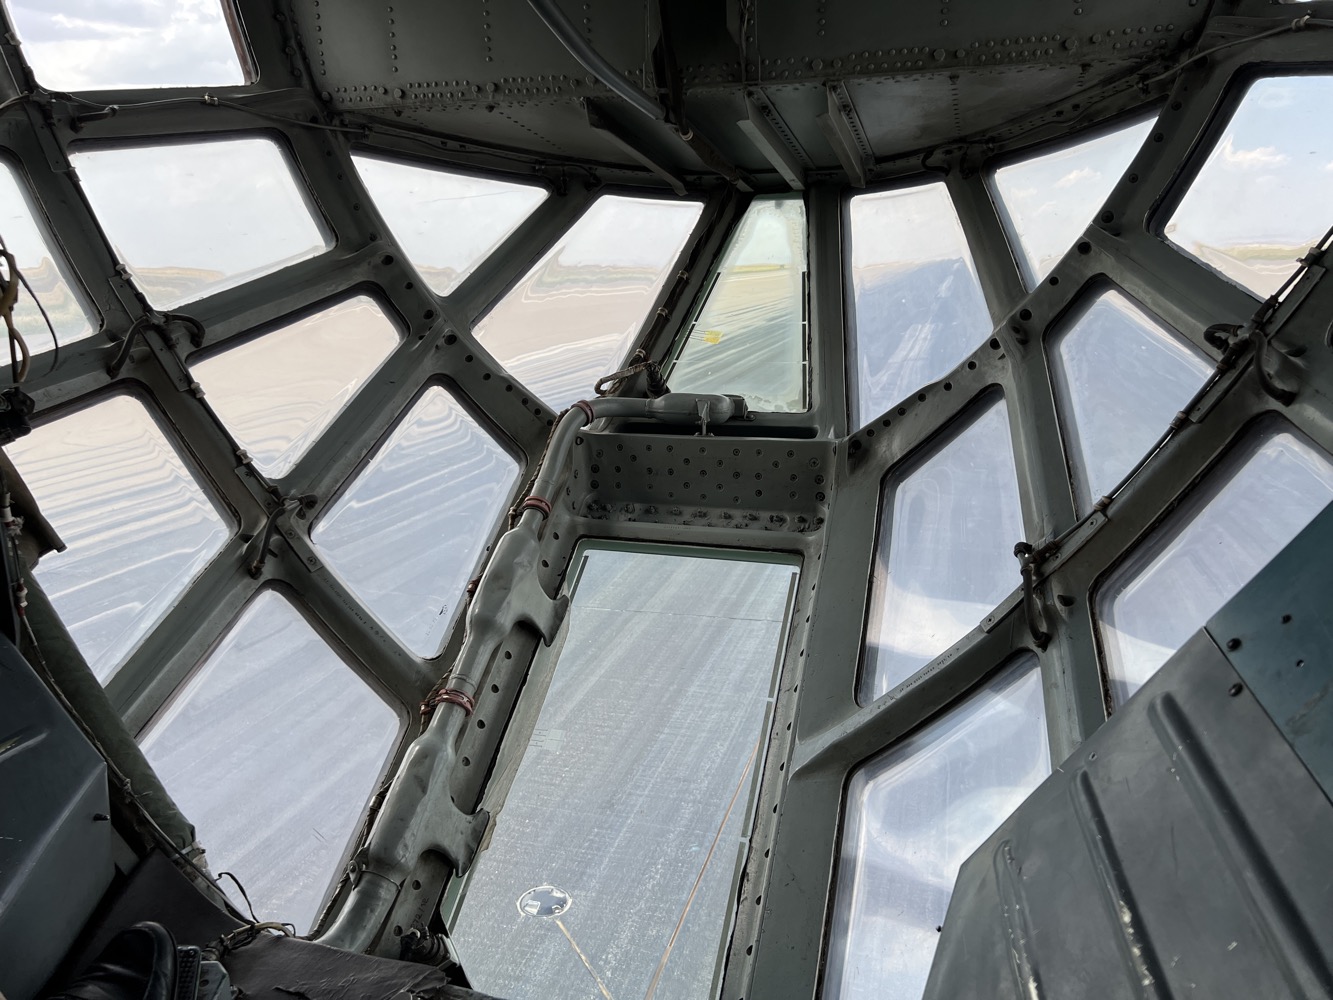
(407, 534)
(917, 305)
(74, 45)
(447, 223)
(627, 813)
(1120, 378)
(945, 555)
(277, 393)
(46, 271)
(1047, 200)
(749, 338)
(1265, 193)
(914, 815)
(575, 315)
(273, 749)
(1244, 514)
(137, 526)
(190, 219)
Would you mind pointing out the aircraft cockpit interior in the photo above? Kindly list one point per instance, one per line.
(666, 499)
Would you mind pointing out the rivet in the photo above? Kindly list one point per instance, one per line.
(1233, 643)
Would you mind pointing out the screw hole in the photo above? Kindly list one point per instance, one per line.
(1084, 247)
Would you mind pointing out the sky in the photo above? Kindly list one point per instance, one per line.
(95, 44)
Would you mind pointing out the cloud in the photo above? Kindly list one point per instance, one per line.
(1075, 176)
(1251, 159)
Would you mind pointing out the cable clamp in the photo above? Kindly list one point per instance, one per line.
(449, 696)
(539, 504)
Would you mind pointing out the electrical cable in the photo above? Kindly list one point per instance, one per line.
(1296, 25)
(9, 294)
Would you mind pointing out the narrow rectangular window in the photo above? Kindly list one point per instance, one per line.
(612, 861)
(749, 338)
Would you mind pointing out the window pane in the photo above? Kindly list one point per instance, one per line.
(446, 223)
(138, 527)
(576, 314)
(917, 306)
(630, 805)
(749, 338)
(277, 393)
(1264, 195)
(45, 271)
(272, 749)
(73, 45)
(407, 534)
(1048, 200)
(192, 219)
(1120, 377)
(914, 815)
(1244, 514)
(945, 555)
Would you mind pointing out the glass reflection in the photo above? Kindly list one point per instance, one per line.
(407, 534)
(917, 306)
(272, 749)
(574, 317)
(632, 797)
(21, 234)
(749, 338)
(447, 223)
(1263, 196)
(945, 555)
(1212, 545)
(1048, 200)
(1120, 378)
(914, 815)
(196, 218)
(137, 526)
(276, 394)
(73, 45)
